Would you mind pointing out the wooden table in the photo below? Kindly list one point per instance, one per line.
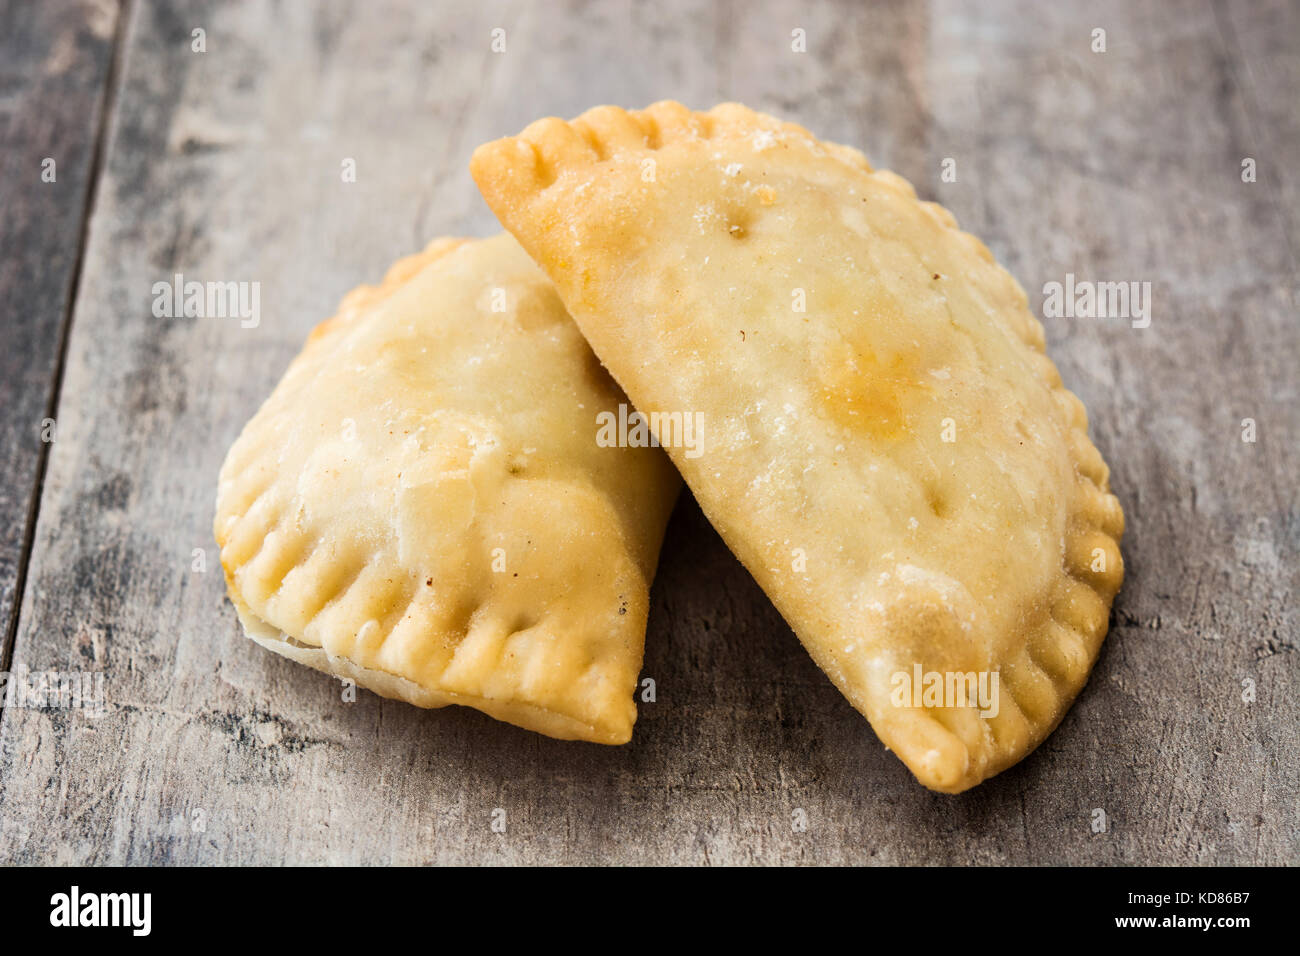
(1123, 165)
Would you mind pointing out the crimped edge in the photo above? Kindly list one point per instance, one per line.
(513, 169)
(387, 684)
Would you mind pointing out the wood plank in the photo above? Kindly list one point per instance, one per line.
(54, 70)
(225, 165)
(1261, 38)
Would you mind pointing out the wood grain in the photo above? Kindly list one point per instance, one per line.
(1123, 165)
(54, 67)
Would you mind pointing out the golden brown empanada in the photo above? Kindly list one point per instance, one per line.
(422, 505)
(886, 446)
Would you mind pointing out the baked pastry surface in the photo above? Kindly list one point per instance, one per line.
(421, 504)
(887, 448)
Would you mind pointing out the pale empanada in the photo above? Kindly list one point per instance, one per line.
(422, 504)
(886, 446)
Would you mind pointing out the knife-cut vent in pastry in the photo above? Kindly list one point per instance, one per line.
(889, 450)
(422, 504)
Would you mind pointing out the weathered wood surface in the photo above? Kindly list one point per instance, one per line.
(54, 64)
(1123, 165)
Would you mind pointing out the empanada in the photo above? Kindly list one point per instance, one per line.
(422, 505)
(886, 446)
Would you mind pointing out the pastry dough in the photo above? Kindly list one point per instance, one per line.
(422, 506)
(886, 446)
